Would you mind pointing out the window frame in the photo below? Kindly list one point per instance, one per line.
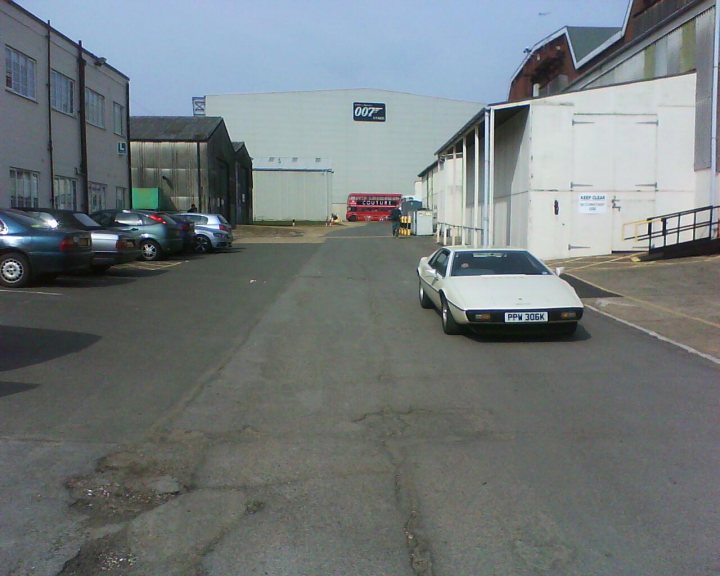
(94, 108)
(121, 118)
(67, 97)
(31, 184)
(64, 189)
(23, 66)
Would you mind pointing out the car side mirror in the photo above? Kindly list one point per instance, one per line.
(560, 270)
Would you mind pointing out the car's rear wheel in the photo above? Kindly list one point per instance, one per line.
(150, 250)
(425, 302)
(14, 270)
(202, 244)
(448, 322)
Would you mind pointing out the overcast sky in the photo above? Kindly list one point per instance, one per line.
(173, 50)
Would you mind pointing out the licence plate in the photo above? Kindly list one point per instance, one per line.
(526, 317)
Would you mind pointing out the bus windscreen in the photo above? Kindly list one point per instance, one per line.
(371, 207)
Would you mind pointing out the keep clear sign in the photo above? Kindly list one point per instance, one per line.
(592, 203)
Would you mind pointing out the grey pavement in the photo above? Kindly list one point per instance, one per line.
(677, 299)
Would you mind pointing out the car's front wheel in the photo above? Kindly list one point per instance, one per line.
(448, 322)
(202, 244)
(425, 302)
(14, 270)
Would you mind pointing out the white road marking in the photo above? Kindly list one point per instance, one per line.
(656, 335)
(33, 292)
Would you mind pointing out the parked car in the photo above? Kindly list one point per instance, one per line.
(187, 228)
(159, 234)
(212, 231)
(109, 247)
(475, 288)
(30, 249)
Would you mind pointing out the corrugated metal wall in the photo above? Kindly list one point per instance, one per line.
(179, 181)
(284, 195)
(705, 27)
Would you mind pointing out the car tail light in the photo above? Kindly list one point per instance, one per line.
(224, 228)
(157, 218)
(66, 244)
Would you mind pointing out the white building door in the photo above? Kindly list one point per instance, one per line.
(614, 179)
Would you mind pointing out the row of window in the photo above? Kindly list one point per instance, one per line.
(24, 192)
(20, 77)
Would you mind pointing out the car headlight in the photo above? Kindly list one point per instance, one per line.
(569, 315)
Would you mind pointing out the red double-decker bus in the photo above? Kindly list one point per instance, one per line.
(371, 207)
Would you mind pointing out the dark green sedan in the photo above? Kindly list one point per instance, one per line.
(30, 249)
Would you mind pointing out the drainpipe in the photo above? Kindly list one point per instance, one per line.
(199, 177)
(83, 130)
(127, 143)
(714, 109)
(50, 126)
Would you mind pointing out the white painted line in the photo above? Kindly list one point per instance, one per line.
(33, 292)
(656, 335)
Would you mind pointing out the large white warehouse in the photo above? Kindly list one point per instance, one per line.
(372, 141)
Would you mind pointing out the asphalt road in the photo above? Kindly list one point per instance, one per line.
(288, 408)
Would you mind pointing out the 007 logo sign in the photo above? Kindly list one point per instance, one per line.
(368, 112)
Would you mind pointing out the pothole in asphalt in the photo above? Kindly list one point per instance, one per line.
(137, 479)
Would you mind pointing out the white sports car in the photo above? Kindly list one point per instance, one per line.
(506, 287)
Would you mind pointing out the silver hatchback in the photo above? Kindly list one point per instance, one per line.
(212, 231)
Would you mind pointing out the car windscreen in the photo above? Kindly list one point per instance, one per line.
(479, 263)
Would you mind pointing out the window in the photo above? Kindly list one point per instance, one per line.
(440, 261)
(62, 93)
(65, 190)
(129, 219)
(94, 108)
(119, 119)
(97, 196)
(120, 196)
(19, 73)
(23, 188)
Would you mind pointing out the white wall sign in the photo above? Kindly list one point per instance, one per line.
(592, 203)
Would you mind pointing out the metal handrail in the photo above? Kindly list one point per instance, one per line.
(469, 232)
(670, 227)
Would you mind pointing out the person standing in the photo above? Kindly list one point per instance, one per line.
(395, 215)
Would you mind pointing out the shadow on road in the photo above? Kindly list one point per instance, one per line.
(27, 346)
(8, 388)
